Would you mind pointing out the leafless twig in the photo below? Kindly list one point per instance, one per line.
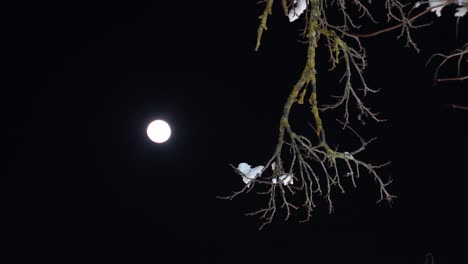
(458, 55)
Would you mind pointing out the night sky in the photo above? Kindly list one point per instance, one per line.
(85, 79)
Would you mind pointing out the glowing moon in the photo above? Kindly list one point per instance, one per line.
(159, 131)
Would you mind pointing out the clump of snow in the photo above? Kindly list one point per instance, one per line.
(249, 173)
(348, 155)
(286, 179)
(437, 6)
(461, 11)
(299, 7)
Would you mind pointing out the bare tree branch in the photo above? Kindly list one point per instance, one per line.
(457, 55)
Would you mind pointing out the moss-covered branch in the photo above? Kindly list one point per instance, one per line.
(263, 22)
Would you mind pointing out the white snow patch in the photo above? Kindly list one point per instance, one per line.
(299, 6)
(286, 179)
(461, 11)
(437, 6)
(249, 173)
(348, 155)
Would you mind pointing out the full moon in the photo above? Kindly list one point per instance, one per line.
(159, 131)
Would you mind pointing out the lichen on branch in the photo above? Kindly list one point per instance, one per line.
(263, 22)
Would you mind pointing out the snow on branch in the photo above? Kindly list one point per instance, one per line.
(436, 6)
(248, 173)
(299, 6)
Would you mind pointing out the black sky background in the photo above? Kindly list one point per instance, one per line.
(84, 79)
